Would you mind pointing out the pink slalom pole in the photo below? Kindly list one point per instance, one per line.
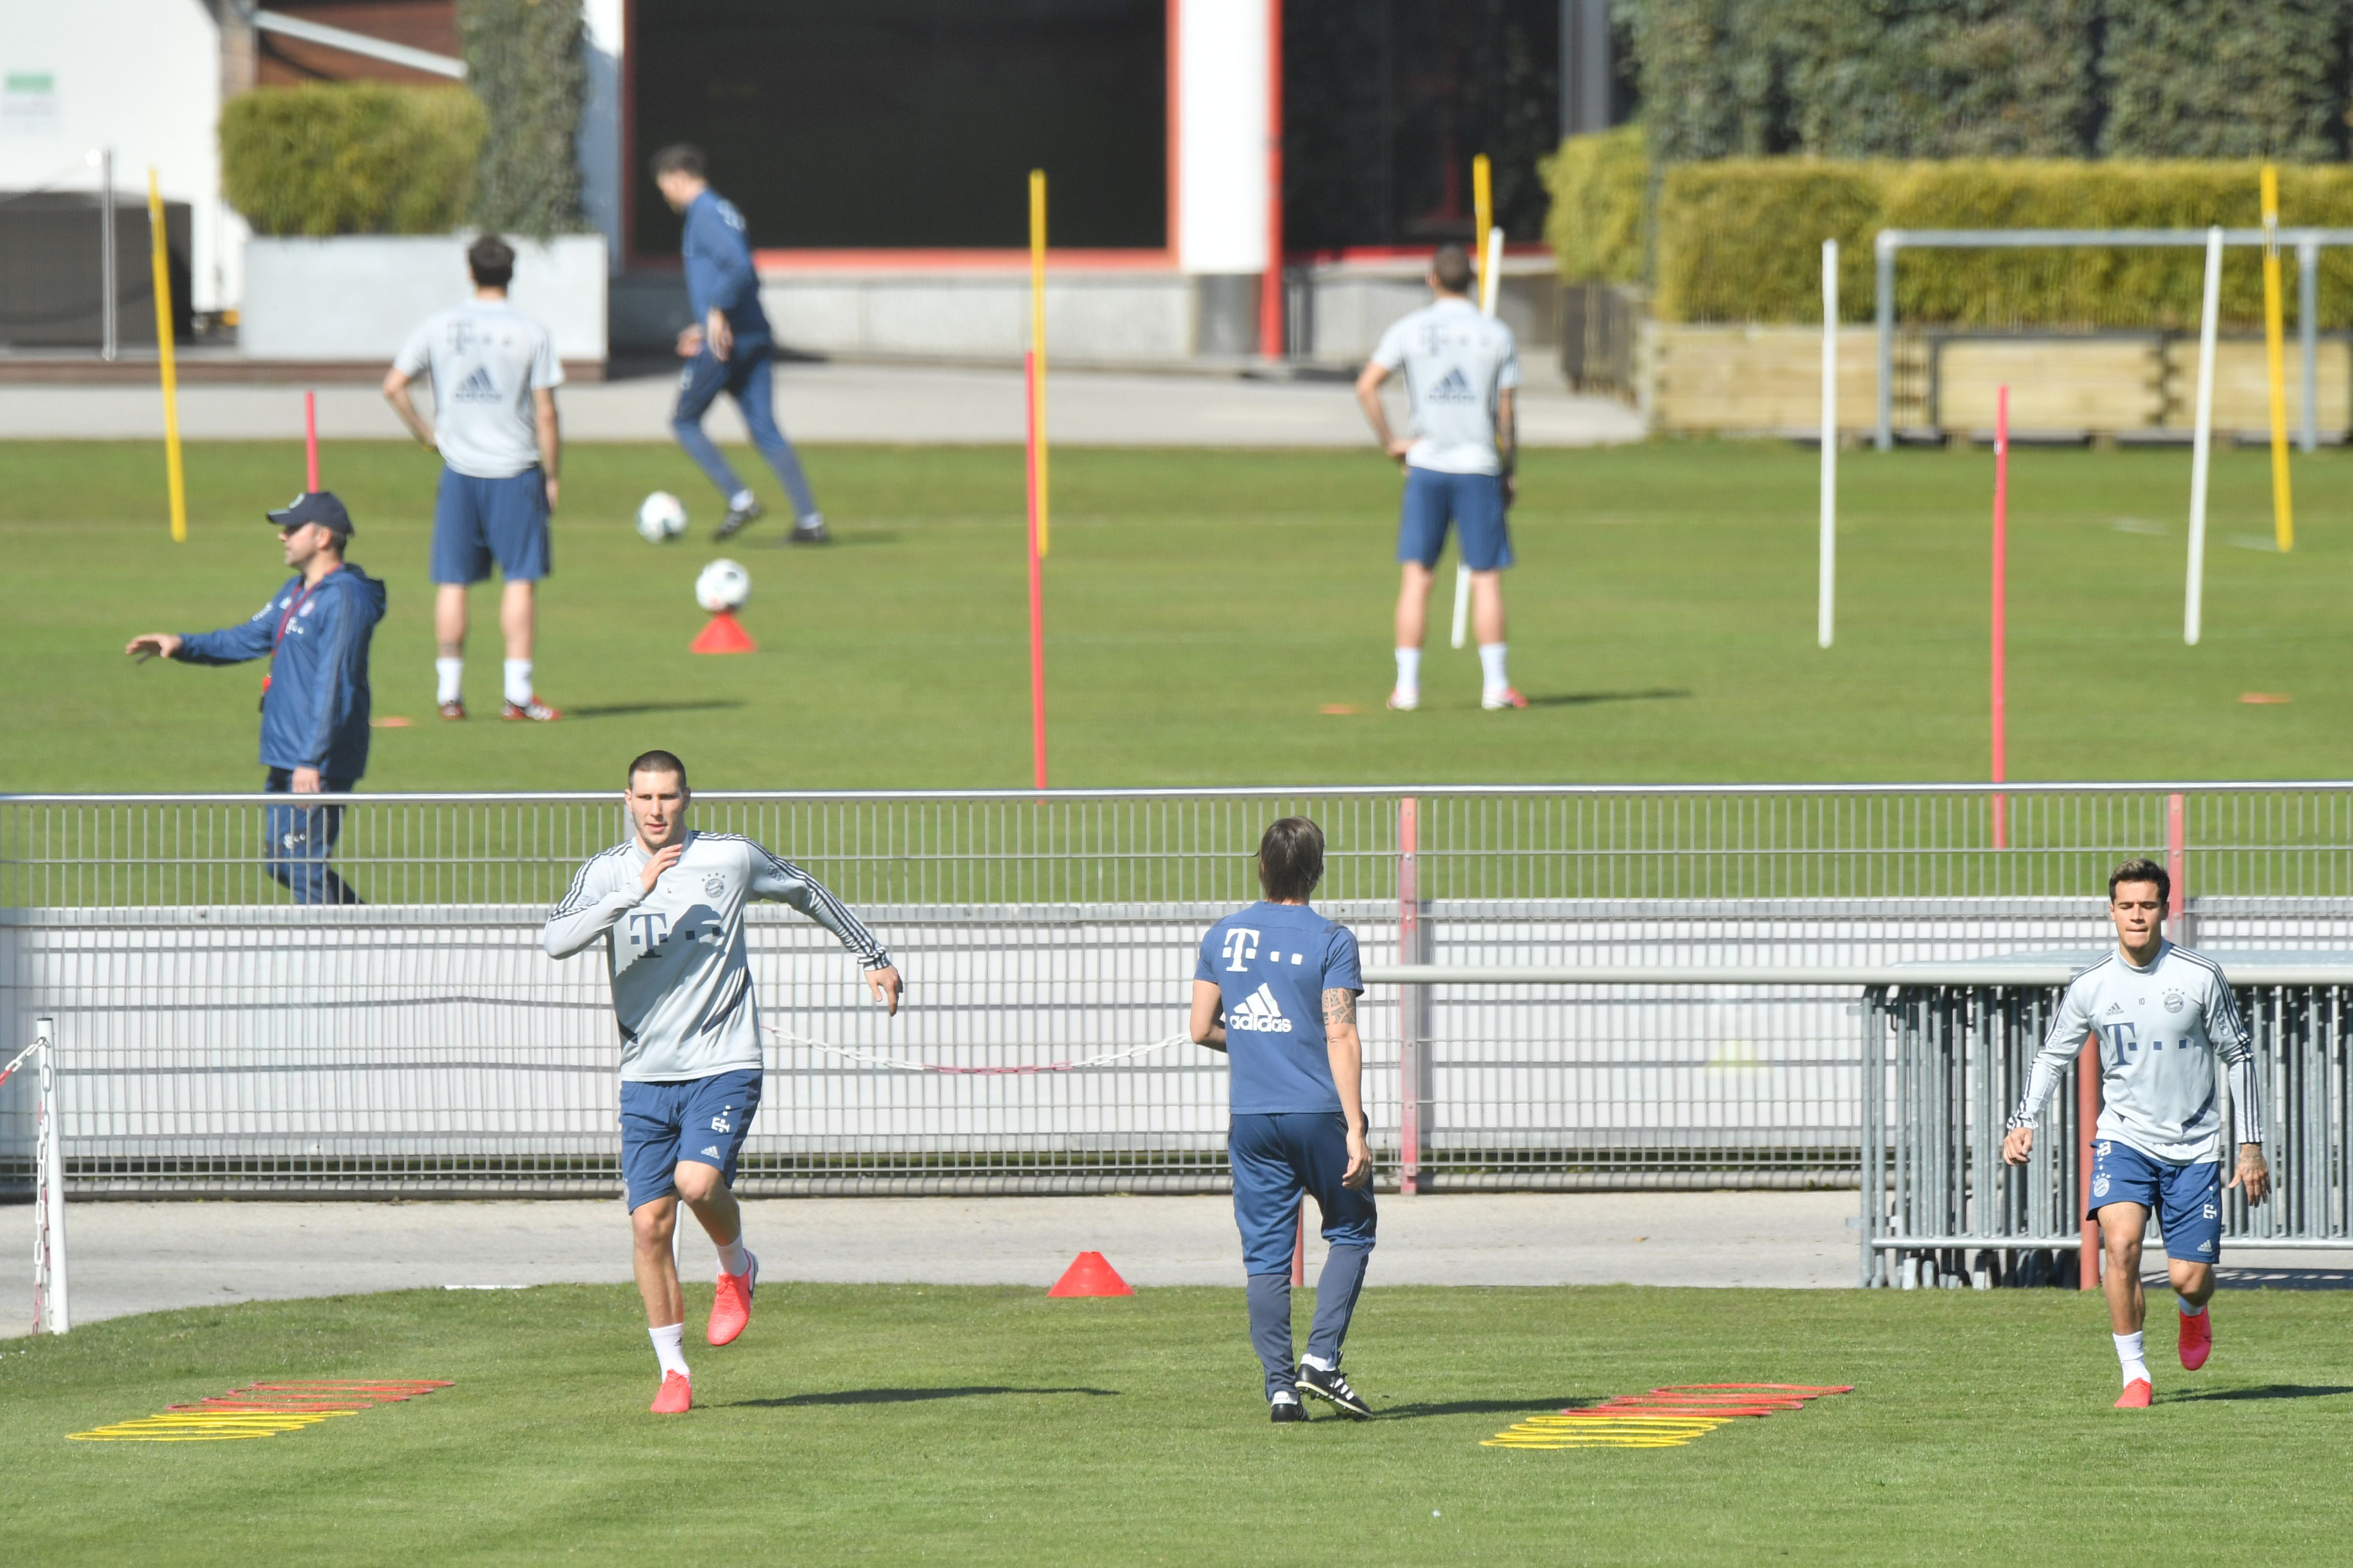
(2001, 608)
(1036, 595)
(1299, 1247)
(311, 443)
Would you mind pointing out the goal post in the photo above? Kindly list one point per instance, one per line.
(51, 1312)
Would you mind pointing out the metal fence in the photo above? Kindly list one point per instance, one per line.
(215, 1039)
(1945, 1063)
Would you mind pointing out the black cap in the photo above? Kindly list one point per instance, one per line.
(320, 506)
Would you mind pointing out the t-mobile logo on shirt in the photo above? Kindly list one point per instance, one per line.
(1241, 946)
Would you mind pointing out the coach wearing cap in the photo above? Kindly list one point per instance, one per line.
(314, 701)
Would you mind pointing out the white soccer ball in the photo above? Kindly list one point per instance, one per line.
(724, 585)
(661, 517)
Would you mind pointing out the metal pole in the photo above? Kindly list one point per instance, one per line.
(107, 331)
(1873, 1177)
(2307, 333)
(1410, 998)
(1825, 616)
(1885, 250)
(2201, 442)
(52, 1313)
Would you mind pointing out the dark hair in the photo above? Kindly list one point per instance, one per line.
(678, 158)
(657, 762)
(1451, 267)
(2142, 871)
(1290, 858)
(491, 261)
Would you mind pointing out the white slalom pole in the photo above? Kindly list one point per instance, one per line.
(1826, 615)
(1491, 279)
(2201, 442)
(51, 1312)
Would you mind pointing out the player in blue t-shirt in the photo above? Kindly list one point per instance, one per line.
(1276, 989)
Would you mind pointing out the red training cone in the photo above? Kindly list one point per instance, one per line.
(1091, 1274)
(725, 634)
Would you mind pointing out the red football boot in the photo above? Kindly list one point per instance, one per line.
(2197, 1339)
(730, 1304)
(2136, 1395)
(677, 1395)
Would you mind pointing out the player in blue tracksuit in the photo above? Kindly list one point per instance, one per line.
(728, 347)
(315, 631)
(1275, 988)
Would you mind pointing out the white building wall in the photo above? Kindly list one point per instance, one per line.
(140, 76)
(599, 141)
(1221, 135)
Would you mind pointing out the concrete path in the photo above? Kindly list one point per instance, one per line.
(826, 403)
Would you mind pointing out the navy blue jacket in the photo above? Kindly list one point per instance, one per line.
(314, 713)
(719, 269)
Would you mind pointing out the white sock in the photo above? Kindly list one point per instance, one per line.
(518, 681)
(1317, 1361)
(733, 1258)
(1490, 666)
(670, 1348)
(1408, 670)
(739, 500)
(2129, 1355)
(449, 675)
(2187, 1309)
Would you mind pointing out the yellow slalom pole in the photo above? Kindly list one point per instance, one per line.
(1483, 208)
(171, 371)
(2283, 504)
(1038, 335)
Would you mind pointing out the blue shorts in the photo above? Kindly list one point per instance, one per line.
(1275, 1159)
(477, 521)
(1474, 501)
(699, 1119)
(2187, 1198)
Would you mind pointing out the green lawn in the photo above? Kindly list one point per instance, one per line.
(896, 1424)
(1205, 607)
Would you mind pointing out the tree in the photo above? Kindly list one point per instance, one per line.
(523, 62)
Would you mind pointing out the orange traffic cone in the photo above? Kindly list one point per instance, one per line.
(1091, 1274)
(725, 634)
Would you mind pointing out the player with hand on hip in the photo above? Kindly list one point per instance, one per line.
(728, 347)
(1275, 988)
(669, 904)
(1462, 376)
(2164, 1016)
(494, 373)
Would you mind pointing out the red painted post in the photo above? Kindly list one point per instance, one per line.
(2177, 868)
(1269, 298)
(1036, 592)
(1409, 998)
(2087, 1116)
(1299, 1247)
(2000, 608)
(311, 443)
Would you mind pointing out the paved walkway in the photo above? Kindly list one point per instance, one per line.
(826, 403)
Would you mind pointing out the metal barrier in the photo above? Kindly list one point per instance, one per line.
(214, 1038)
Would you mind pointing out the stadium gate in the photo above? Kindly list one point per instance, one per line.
(1601, 987)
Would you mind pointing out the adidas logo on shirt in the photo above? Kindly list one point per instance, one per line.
(1452, 388)
(1259, 1014)
(475, 388)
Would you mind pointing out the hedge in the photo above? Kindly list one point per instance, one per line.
(523, 60)
(1740, 239)
(351, 158)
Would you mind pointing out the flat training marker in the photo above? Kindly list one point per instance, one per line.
(1091, 1274)
(1665, 1418)
(261, 1410)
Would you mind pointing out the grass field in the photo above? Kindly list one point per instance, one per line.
(1205, 607)
(899, 1424)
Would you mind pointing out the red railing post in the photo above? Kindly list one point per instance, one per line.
(1410, 1043)
(2087, 1116)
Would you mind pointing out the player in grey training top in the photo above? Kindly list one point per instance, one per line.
(2164, 1016)
(1462, 378)
(668, 904)
(494, 373)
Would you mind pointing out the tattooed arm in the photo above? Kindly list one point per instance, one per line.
(1346, 1053)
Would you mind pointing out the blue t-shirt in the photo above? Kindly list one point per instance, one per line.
(1271, 964)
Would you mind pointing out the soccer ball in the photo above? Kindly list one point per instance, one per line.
(661, 517)
(724, 585)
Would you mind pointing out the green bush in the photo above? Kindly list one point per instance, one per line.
(523, 62)
(351, 158)
(1595, 227)
(1740, 240)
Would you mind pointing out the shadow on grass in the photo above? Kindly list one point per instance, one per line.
(632, 710)
(1587, 699)
(2268, 1390)
(901, 1396)
(1484, 1407)
(854, 540)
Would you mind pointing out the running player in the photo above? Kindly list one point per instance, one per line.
(1276, 989)
(2163, 1015)
(494, 375)
(1461, 372)
(728, 347)
(669, 904)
